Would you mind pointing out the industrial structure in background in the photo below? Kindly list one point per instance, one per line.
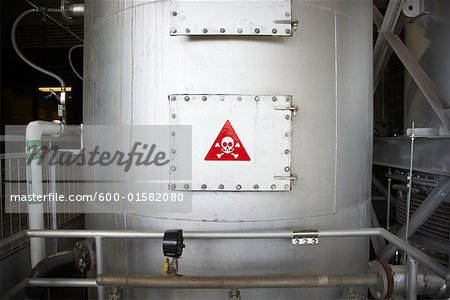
(289, 185)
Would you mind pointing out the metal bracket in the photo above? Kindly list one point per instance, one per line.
(414, 8)
(305, 237)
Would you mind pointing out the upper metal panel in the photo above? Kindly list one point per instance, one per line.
(235, 17)
(240, 142)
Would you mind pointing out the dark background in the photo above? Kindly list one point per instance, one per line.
(47, 45)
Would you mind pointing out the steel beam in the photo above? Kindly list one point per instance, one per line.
(424, 83)
(422, 213)
(378, 242)
(377, 17)
(382, 52)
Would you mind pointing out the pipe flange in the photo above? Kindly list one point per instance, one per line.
(84, 255)
(384, 289)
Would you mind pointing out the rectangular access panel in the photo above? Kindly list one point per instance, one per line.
(232, 17)
(239, 142)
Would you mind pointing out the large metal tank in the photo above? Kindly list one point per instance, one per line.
(428, 39)
(132, 64)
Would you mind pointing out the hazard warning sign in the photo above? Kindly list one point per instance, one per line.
(227, 146)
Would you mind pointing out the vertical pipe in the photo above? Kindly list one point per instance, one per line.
(99, 263)
(54, 216)
(411, 287)
(408, 200)
(388, 208)
(33, 142)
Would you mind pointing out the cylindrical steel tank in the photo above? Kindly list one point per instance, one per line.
(428, 39)
(132, 64)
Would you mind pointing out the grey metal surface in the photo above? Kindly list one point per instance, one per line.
(425, 210)
(436, 100)
(130, 63)
(394, 152)
(428, 40)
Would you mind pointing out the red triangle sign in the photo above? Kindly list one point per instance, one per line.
(227, 146)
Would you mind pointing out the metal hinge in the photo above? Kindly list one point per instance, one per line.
(292, 177)
(293, 23)
(305, 237)
(294, 108)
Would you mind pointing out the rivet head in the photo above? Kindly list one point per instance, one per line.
(173, 186)
(287, 117)
(173, 98)
(222, 98)
(172, 133)
(239, 98)
(173, 151)
(287, 169)
(257, 30)
(222, 30)
(174, 116)
(286, 151)
(256, 98)
(186, 186)
(174, 13)
(221, 186)
(287, 14)
(274, 99)
(173, 30)
(187, 30)
(173, 168)
(288, 31)
(286, 186)
(203, 186)
(204, 30)
(288, 98)
(256, 186)
(239, 30)
(187, 98)
(287, 134)
(204, 98)
(274, 30)
(238, 187)
(273, 186)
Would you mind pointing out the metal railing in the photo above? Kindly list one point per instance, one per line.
(14, 217)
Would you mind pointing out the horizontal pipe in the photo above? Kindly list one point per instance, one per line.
(237, 282)
(13, 238)
(62, 282)
(258, 234)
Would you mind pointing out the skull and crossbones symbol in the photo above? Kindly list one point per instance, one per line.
(227, 145)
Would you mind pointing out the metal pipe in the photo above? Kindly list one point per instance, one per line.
(428, 284)
(13, 238)
(62, 282)
(388, 205)
(57, 23)
(23, 57)
(410, 176)
(237, 282)
(267, 234)
(99, 264)
(411, 290)
(33, 140)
